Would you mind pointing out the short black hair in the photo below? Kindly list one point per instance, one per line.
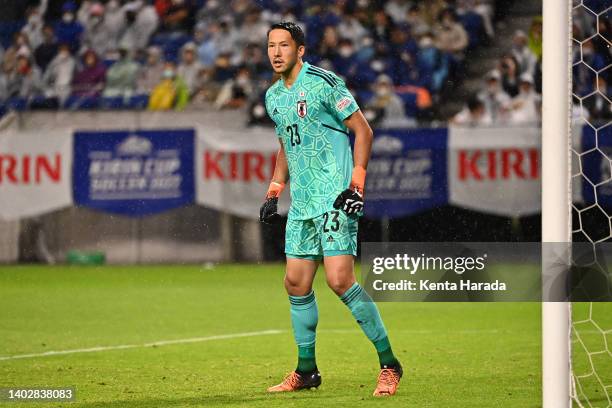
(295, 30)
(474, 103)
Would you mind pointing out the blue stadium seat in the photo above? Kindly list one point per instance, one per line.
(113, 102)
(138, 102)
(82, 102)
(17, 103)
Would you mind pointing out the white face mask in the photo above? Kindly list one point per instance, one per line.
(33, 20)
(168, 74)
(242, 81)
(426, 42)
(383, 90)
(345, 52)
(377, 66)
(68, 18)
(112, 5)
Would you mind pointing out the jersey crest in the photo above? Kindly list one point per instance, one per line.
(302, 110)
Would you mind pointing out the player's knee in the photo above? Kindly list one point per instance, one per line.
(339, 285)
(296, 287)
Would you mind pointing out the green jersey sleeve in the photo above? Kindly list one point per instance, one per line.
(339, 102)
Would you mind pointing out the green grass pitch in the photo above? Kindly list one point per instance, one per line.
(454, 354)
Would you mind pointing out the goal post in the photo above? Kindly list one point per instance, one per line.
(556, 194)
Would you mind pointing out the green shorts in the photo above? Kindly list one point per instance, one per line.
(329, 234)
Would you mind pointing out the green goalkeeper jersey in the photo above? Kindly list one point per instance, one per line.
(309, 119)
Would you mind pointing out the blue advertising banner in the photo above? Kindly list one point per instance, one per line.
(134, 173)
(595, 162)
(407, 172)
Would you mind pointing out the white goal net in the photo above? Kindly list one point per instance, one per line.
(591, 326)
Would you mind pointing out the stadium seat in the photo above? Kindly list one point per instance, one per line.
(138, 102)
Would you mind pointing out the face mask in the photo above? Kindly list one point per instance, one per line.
(168, 74)
(33, 20)
(587, 52)
(492, 88)
(112, 5)
(383, 91)
(96, 20)
(377, 65)
(242, 81)
(345, 52)
(426, 42)
(68, 18)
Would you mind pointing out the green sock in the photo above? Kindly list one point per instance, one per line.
(385, 354)
(306, 360)
(366, 313)
(304, 320)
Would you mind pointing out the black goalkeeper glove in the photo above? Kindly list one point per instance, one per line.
(350, 201)
(268, 213)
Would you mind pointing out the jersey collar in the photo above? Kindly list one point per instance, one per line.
(305, 66)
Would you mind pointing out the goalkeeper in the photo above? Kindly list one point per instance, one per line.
(313, 112)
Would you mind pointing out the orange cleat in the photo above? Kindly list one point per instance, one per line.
(388, 381)
(295, 381)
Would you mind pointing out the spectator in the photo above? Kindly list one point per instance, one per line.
(189, 68)
(598, 106)
(482, 8)
(89, 80)
(68, 30)
(256, 61)
(397, 10)
(535, 37)
(432, 64)
(525, 107)
(329, 44)
(141, 23)
(33, 28)
(524, 57)
(451, 37)
(20, 45)
(151, 76)
(350, 28)
(418, 25)
(208, 48)
(171, 92)
(122, 76)
(403, 51)
(97, 36)
(84, 12)
(344, 62)
(114, 22)
(583, 74)
(227, 38)
(473, 115)
(494, 98)
(253, 29)
(387, 105)
(48, 49)
(509, 75)
(25, 80)
(175, 15)
(236, 92)
(58, 75)
(381, 27)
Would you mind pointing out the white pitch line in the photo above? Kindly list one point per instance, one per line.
(154, 344)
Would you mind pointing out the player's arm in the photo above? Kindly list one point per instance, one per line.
(364, 135)
(281, 169)
(269, 210)
(351, 199)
